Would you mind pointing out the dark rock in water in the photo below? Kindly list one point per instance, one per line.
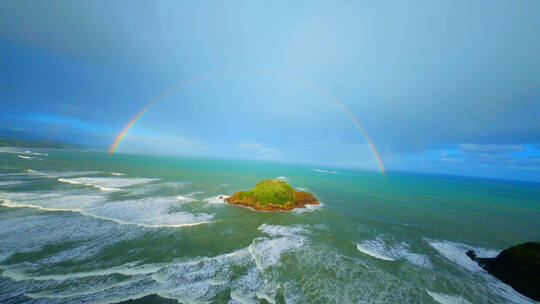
(150, 299)
(517, 266)
(471, 254)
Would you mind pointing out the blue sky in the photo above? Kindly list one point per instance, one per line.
(444, 87)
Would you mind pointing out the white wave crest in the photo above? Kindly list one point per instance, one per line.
(127, 269)
(27, 157)
(276, 230)
(50, 201)
(447, 299)
(456, 252)
(150, 212)
(18, 151)
(75, 182)
(324, 171)
(147, 212)
(40, 154)
(218, 199)
(10, 183)
(377, 248)
(185, 198)
(10, 204)
(107, 183)
(374, 248)
(57, 174)
(267, 252)
(308, 208)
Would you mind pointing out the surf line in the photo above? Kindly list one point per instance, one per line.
(120, 137)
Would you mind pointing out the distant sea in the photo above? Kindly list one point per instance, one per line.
(82, 226)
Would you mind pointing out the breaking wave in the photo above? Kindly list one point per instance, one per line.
(10, 183)
(446, 299)
(27, 157)
(19, 151)
(241, 273)
(218, 199)
(455, 252)
(276, 230)
(107, 183)
(374, 249)
(324, 171)
(148, 212)
(57, 174)
(377, 248)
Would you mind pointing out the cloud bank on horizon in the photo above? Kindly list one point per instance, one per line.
(439, 87)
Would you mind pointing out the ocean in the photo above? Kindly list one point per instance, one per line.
(87, 226)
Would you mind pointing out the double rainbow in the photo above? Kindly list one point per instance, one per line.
(306, 83)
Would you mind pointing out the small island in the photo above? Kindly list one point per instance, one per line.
(517, 266)
(272, 195)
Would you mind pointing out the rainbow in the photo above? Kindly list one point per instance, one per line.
(306, 83)
(126, 129)
(132, 122)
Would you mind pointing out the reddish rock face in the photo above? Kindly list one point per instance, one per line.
(301, 199)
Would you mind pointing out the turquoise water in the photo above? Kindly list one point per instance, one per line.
(81, 226)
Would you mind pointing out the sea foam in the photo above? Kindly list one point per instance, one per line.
(377, 248)
(148, 212)
(50, 201)
(276, 230)
(57, 174)
(374, 248)
(324, 171)
(267, 252)
(107, 183)
(447, 299)
(185, 198)
(18, 151)
(308, 208)
(218, 199)
(27, 157)
(456, 252)
(10, 183)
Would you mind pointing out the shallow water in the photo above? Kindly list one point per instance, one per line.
(81, 226)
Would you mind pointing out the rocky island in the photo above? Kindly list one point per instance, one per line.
(272, 195)
(517, 266)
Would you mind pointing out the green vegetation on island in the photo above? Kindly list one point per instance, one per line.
(272, 195)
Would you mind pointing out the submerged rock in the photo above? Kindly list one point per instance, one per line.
(517, 266)
(150, 299)
(272, 195)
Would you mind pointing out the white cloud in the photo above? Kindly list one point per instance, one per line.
(451, 159)
(490, 148)
(258, 148)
